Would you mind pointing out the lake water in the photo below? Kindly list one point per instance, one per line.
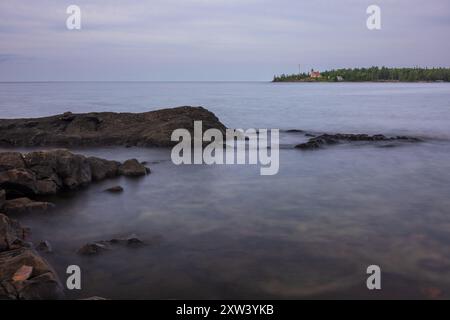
(227, 232)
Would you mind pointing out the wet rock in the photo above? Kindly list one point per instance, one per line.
(92, 248)
(11, 160)
(115, 189)
(132, 168)
(18, 182)
(102, 169)
(106, 128)
(25, 205)
(41, 283)
(71, 170)
(44, 246)
(331, 139)
(131, 241)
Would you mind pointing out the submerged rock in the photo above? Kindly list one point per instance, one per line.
(25, 205)
(92, 248)
(331, 139)
(152, 128)
(115, 189)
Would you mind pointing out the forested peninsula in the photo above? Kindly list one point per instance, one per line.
(373, 74)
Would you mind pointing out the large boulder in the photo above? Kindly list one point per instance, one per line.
(41, 284)
(62, 167)
(102, 169)
(132, 168)
(11, 160)
(152, 128)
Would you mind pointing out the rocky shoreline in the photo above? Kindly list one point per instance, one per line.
(24, 274)
(25, 178)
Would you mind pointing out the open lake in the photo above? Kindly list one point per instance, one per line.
(217, 232)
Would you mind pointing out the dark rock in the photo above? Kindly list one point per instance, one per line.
(102, 169)
(106, 128)
(70, 170)
(46, 187)
(11, 160)
(134, 242)
(331, 139)
(131, 241)
(11, 233)
(2, 198)
(43, 283)
(132, 168)
(92, 248)
(44, 246)
(17, 182)
(115, 189)
(25, 205)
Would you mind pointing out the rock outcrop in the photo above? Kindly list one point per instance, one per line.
(132, 168)
(43, 173)
(152, 128)
(40, 280)
(331, 139)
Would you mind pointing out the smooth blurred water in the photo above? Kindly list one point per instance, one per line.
(226, 231)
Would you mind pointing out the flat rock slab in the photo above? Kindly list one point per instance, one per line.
(323, 140)
(152, 128)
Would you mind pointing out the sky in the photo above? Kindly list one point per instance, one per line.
(215, 40)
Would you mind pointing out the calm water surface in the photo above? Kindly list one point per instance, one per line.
(227, 232)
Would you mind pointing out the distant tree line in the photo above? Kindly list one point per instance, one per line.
(373, 74)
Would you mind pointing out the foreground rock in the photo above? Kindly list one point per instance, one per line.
(331, 139)
(23, 273)
(26, 176)
(106, 128)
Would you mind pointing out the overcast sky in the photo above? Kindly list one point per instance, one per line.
(215, 39)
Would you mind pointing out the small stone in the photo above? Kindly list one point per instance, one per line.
(132, 168)
(92, 249)
(44, 246)
(115, 189)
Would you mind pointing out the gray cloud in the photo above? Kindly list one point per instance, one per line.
(215, 39)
